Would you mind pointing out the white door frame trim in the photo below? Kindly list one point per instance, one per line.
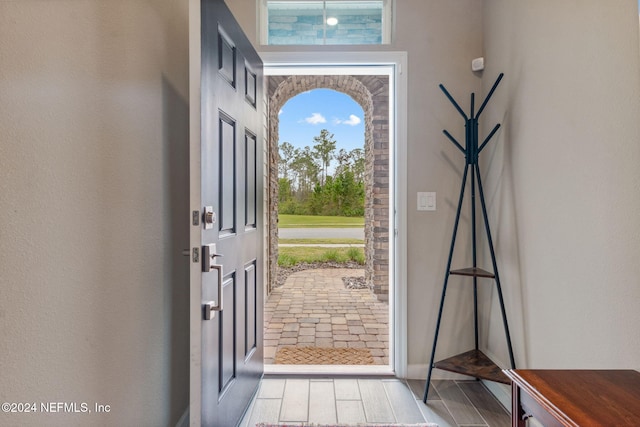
(195, 275)
(398, 170)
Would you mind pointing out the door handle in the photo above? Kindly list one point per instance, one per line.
(208, 264)
(210, 307)
(208, 256)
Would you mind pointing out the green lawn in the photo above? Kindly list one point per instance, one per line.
(312, 221)
(289, 256)
(327, 241)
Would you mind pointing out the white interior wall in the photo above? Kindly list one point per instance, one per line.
(441, 39)
(93, 115)
(560, 182)
(563, 181)
(93, 201)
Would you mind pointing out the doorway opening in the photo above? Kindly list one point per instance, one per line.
(372, 88)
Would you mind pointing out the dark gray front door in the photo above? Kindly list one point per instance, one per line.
(231, 184)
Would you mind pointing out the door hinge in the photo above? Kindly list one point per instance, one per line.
(196, 255)
(195, 218)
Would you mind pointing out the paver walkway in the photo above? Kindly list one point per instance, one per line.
(313, 308)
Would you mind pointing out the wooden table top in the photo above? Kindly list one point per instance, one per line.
(584, 397)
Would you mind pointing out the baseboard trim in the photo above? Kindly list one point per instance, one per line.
(502, 392)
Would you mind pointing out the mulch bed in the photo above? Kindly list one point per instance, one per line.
(356, 282)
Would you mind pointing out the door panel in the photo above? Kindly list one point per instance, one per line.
(227, 333)
(251, 309)
(250, 168)
(250, 86)
(227, 178)
(226, 58)
(231, 182)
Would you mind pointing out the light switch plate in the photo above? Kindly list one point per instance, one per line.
(427, 201)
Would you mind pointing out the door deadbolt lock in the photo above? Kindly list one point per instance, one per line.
(208, 217)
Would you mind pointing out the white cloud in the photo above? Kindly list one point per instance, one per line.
(280, 112)
(316, 118)
(353, 120)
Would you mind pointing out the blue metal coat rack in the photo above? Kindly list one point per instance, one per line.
(472, 363)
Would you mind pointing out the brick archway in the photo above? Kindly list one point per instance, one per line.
(372, 93)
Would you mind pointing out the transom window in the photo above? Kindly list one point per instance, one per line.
(325, 22)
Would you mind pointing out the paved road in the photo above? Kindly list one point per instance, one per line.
(322, 245)
(320, 233)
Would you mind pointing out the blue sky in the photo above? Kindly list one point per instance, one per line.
(306, 114)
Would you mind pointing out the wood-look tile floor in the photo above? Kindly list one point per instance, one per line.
(353, 401)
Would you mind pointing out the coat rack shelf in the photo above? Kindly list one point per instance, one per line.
(472, 363)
